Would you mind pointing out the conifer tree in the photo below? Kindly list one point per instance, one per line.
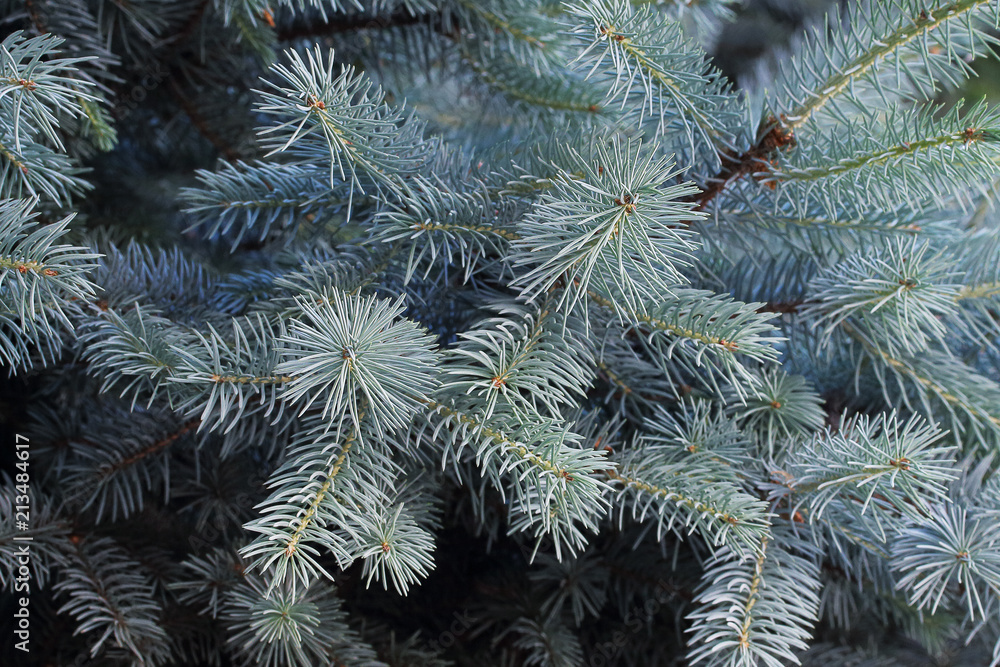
(418, 333)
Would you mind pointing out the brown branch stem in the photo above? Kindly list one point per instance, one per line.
(157, 446)
(755, 160)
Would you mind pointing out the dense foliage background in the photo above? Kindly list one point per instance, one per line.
(514, 332)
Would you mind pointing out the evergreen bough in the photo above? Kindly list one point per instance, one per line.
(497, 375)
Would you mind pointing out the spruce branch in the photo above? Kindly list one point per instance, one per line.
(899, 465)
(446, 226)
(40, 279)
(954, 545)
(898, 297)
(243, 200)
(631, 379)
(550, 91)
(337, 119)
(208, 578)
(734, 165)
(49, 532)
(397, 550)
(544, 642)
(347, 351)
(111, 477)
(34, 87)
(677, 88)
(240, 372)
(901, 158)
(111, 594)
(617, 232)
(782, 409)
(774, 234)
(304, 519)
(314, 277)
(681, 474)
(580, 583)
(757, 609)
(553, 482)
(870, 64)
(967, 397)
(506, 311)
(336, 496)
(163, 280)
(704, 335)
(291, 627)
(522, 26)
(37, 170)
(702, 429)
(136, 352)
(530, 360)
(840, 529)
(889, 35)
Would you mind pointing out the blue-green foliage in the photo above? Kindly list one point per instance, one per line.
(517, 306)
